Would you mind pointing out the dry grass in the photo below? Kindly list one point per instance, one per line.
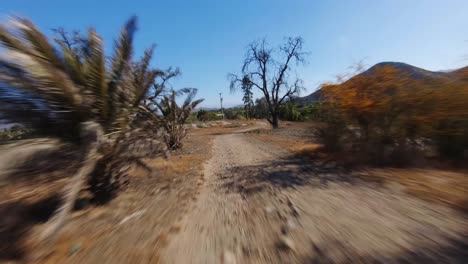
(300, 146)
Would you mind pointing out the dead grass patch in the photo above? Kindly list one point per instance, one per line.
(298, 146)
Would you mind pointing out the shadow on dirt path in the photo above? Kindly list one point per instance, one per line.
(19, 217)
(453, 251)
(288, 172)
(17, 220)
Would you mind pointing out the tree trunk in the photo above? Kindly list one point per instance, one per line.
(274, 120)
(91, 134)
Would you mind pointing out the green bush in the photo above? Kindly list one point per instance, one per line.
(289, 112)
(202, 115)
(234, 114)
(260, 110)
(309, 112)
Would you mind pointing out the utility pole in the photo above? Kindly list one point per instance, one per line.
(221, 101)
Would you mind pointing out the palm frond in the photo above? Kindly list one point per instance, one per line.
(95, 73)
(196, 103)
(121, 90)
(123, 49)
(74, 65)
(143, 77)
(38, 43)
(29, 62)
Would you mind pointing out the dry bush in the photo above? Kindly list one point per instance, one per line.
(384, 116)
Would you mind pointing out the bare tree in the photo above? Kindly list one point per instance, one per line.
(269, 70)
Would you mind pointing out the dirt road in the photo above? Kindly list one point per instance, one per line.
(257, 204)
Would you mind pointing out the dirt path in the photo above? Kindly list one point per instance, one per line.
(257, 204)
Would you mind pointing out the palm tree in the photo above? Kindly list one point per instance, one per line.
(70, 92)
(173, 117)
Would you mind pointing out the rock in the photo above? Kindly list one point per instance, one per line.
(295, 211)
(286, 243)
(291, 224)
(75, 248)
(269, 209)
(228, 257)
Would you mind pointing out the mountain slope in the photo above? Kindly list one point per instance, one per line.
(406, 69)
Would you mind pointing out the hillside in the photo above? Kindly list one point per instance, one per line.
(409, 70)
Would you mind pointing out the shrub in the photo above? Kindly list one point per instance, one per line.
(233, 114)
(173, 116)
(202, 115)
(394, 116)
(331, 135)
(289, 112)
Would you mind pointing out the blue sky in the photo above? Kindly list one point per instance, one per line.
(207, 39)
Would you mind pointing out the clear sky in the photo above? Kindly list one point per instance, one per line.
(207, 39)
